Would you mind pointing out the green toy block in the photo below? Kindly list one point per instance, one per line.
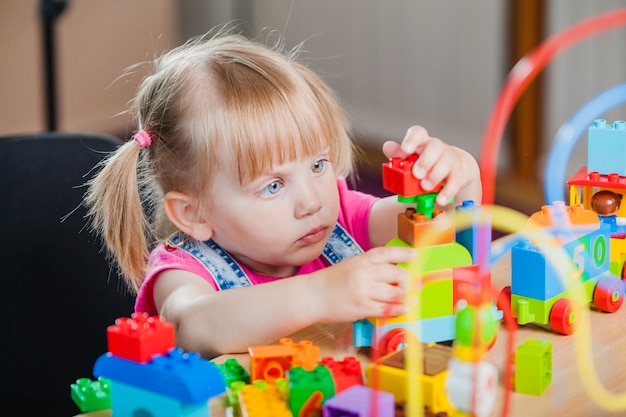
(434, 258)
(533, 366)
(309, 389)
(91, 395)
(232, 371)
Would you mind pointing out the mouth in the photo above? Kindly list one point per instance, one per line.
(313, 236)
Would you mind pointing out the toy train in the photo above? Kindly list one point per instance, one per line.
(561, 265)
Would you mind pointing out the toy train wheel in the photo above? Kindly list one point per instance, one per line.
(565, 316)
(609, 294)
(393, 341)
(503, 303)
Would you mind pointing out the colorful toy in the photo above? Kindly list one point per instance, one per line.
(589, 185)
(553, 276)
(170, 384)
(389, 374)
(444, 272)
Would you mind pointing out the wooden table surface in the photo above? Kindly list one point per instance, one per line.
(565, 396)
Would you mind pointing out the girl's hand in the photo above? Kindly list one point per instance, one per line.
(439, 162)
(368, 285)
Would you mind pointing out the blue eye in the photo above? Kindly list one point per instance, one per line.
(272, 188)
(318, 166)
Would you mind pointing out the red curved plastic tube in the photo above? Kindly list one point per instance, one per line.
(522, 74)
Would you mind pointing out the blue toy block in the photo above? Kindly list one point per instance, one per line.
(476, 238)
(363, 331)
(534, 275)
(358, 401)
(606, 147)
(186, 377)
(127, 400)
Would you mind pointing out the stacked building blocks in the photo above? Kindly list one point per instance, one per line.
(359, 401)
(171, 383)
(309, 389)
(442, 273)
(91, 395)
(605, 171)
(389, 374)
(398, 177)
(533, 366)
(345, 373)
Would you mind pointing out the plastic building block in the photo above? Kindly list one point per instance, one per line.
(309, 389)
(345, 373)
(186, 377)
(90, 395)
(398, 177)
(306, 354)
(564, 221)
(389, 374)
(358, 401)
(606, 147)
(474, 231)
(533, 366)
(139, 337)
(263, 400)
(232, 371)
(270, 362)
(416, 230)
(587, 257)
(128, 400)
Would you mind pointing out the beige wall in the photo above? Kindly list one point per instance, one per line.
(95, 41)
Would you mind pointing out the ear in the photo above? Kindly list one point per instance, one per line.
(186, 215)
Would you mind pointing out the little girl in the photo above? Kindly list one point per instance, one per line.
(237, 178)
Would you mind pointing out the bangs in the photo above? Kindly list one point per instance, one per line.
(272, 115)
(268, 137)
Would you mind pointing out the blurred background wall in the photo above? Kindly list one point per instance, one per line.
(393, 63)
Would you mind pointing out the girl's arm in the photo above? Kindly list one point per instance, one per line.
(212, 323)
(438, 162)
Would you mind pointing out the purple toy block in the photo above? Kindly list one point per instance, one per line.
(357, 401)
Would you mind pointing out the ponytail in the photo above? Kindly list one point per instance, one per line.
(116, 212)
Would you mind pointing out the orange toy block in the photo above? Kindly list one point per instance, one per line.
(306, 354)
(270, 362)
(416, 230)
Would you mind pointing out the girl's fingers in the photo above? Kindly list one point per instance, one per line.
(414, 139)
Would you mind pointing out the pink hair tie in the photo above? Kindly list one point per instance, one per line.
(143, 138)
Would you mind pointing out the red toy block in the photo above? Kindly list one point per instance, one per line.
(471, 284)
(345, 373)
(416, 230)
(398, 177)
(140, 337)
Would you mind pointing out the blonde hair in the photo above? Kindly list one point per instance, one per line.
(217, 102)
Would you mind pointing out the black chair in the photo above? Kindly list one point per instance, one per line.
(59, 293)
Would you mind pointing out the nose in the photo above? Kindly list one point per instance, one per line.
(307, 201)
